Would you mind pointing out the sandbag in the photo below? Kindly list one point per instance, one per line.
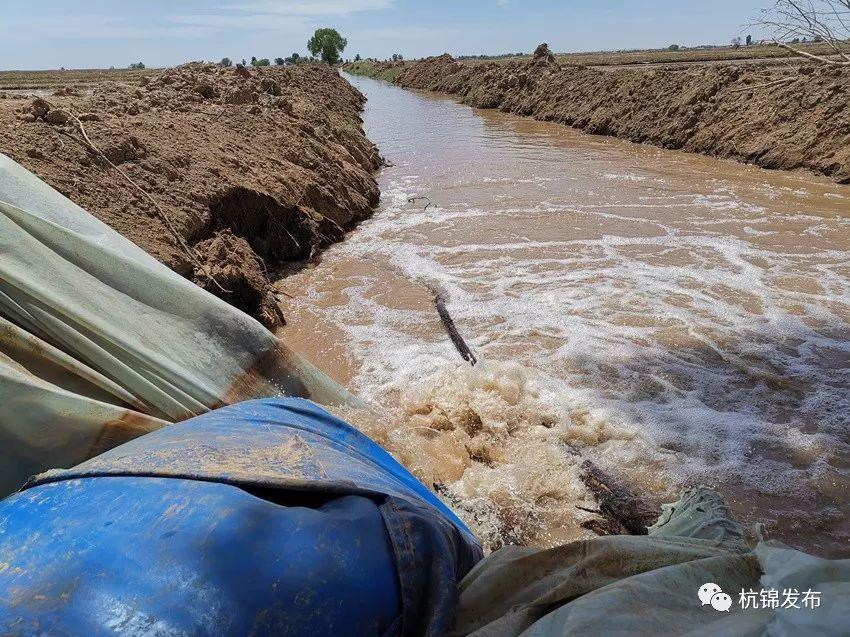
(100, 343)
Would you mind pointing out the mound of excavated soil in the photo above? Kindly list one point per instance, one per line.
(253, 168)
(788, 118)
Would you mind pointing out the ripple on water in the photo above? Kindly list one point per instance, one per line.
(676, 318)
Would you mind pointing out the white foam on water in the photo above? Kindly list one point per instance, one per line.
(679, 413)
(669, 350)
(624, 177)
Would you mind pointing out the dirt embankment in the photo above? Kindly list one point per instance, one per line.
(251, 168)
(786, 118)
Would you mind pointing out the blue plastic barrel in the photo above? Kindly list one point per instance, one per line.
(269, 517)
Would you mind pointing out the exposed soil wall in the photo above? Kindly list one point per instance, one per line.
(792, 117)
(253, 168)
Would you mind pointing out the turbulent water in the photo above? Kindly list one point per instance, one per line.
(675, 318)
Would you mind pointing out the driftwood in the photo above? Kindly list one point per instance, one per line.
(451, 329)
(440, 303)
(621, 511)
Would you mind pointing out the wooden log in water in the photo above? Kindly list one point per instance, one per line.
(451, 329)
(621, 511)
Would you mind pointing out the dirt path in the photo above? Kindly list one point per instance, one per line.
(251, 168)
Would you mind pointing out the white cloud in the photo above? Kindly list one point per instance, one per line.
(287, 16)
(402, 33)
(252, 22)
(283, 15)
(100, 27)
(311, 8)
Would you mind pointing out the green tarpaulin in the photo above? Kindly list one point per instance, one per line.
(99, 342)
(650, 585)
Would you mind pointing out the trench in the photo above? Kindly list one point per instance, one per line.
(677, 319)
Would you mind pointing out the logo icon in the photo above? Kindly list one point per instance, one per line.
(721, 602)
(707, 591)
(710, 593)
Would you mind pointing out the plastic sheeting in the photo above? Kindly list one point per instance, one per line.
(270, 517)
(649, 585)
(100, 343)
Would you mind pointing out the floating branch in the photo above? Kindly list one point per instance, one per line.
(451, 329)
(440, 303)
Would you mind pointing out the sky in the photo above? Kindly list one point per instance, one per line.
(49, 34)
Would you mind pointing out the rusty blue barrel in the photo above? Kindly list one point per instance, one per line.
(269, 517)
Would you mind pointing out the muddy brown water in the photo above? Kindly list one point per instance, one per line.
(678, 319)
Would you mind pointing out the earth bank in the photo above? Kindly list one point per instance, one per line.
(244, 170)
(789, 117)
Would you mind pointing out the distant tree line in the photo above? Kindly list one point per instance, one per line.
(295, 58)
(325, 45)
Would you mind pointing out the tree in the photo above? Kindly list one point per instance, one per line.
(226, 62)
(138, 66)
(263, 62)
(736, 42)
(749, 40)
(327, 44)
(357, 58)
(673, 47)
(817, 20)
(279, 61)
(295, 58)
